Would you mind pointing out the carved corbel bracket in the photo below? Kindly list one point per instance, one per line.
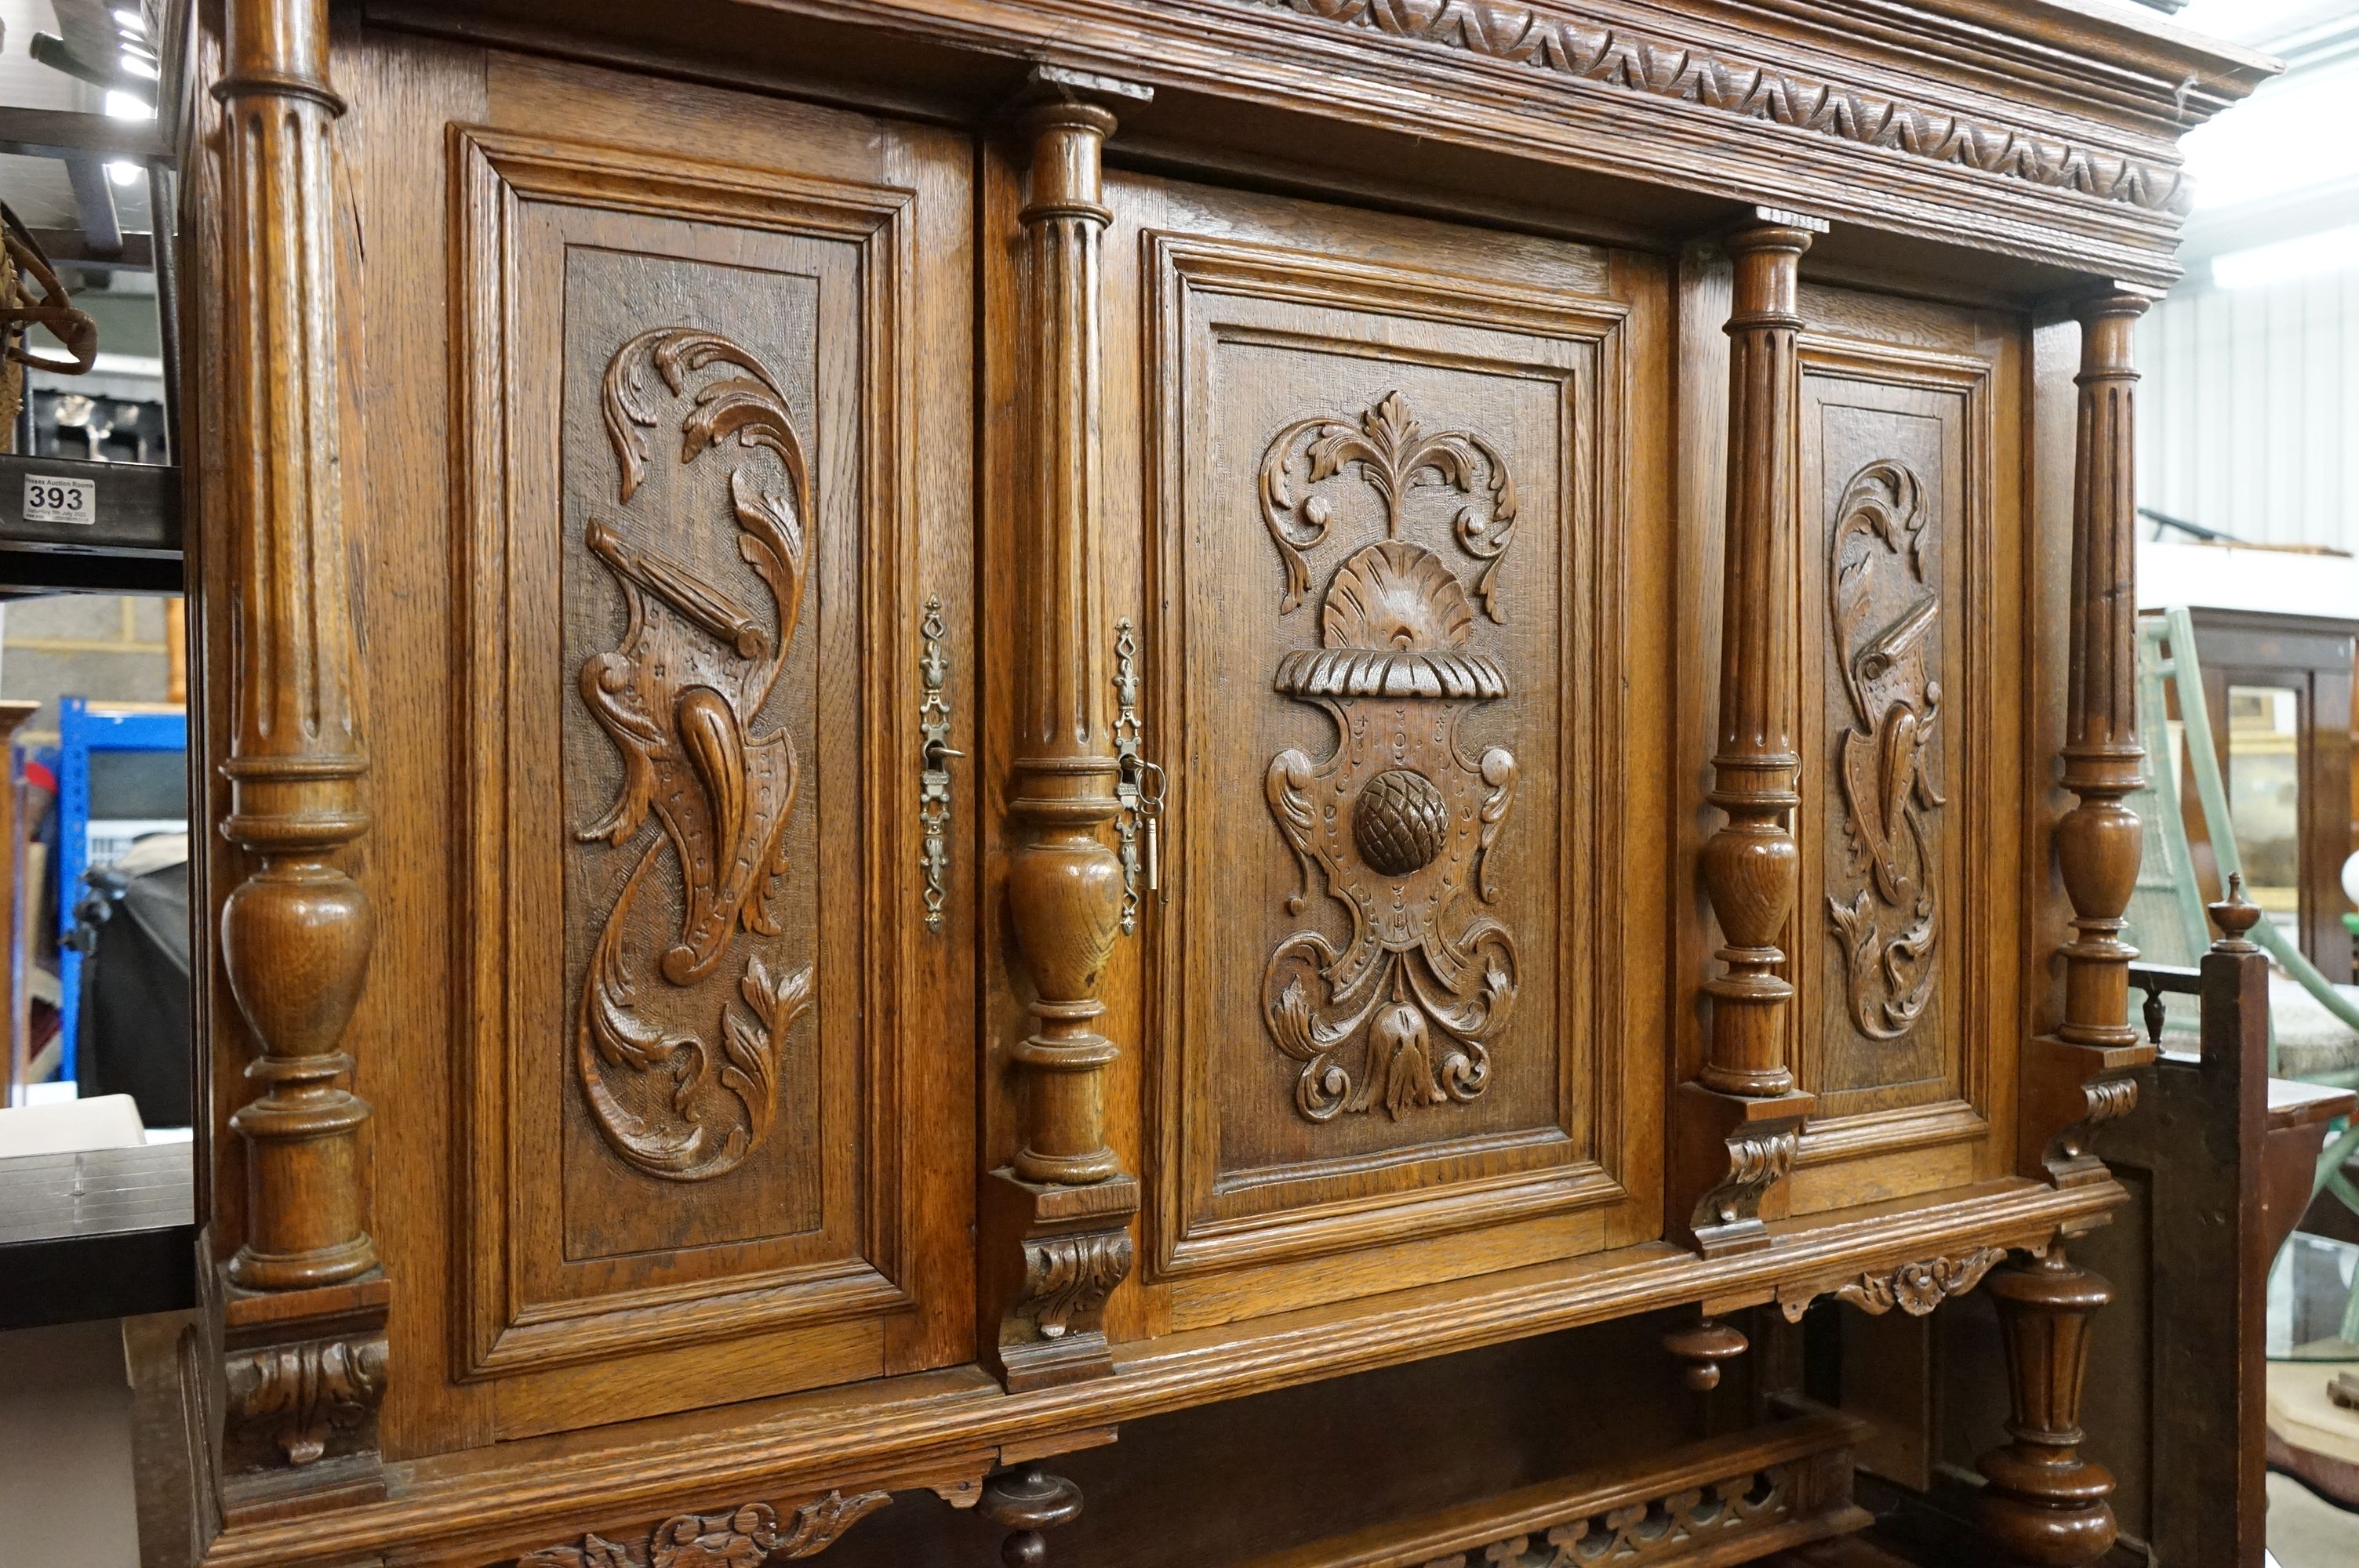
(1730, 1152)
(303, 1373)
(750, 1534)
(1048, 1293)
(2068, 1092)
(1916, 1288)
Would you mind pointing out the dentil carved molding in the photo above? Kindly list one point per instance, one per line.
(1915, 1288)
(1680, 1524)
(301, 1391)
(1399, 819)
(679, 698)
(745, 1539)
(1886, 620)
(1566, 45)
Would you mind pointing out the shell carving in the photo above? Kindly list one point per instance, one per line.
(1404, 1013)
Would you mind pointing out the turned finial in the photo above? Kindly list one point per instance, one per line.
(2234, 915)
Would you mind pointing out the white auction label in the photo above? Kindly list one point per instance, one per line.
(51, 500)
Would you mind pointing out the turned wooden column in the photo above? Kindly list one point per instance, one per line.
(295, 933)
(2045, 1504)
(1737, 1125)
(2098, 842)
(304, 1317)
(1752, 865)
(1064, 882)
(1056, 1237)
(2080, 1076)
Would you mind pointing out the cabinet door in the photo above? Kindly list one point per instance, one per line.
(712, 1126)
(1404, 600)
(1907, 934)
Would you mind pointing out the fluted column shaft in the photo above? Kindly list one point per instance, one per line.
(296, 931)
(1752, 865)
(1064, 882)
(2098, 842)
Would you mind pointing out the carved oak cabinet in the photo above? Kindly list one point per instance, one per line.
(949, 729)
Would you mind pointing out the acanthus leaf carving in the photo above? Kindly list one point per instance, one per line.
(680, 698)
(1885, 619)
(1399, 820)
(1555, 40)
(1068, 1278)
(744, 1538)
(1757, 1160)
(304, 1391)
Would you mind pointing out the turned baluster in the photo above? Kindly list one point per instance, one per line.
(2045, 1504)
(1028, 1502)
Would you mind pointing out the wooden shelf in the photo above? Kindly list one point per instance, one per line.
(132, 547)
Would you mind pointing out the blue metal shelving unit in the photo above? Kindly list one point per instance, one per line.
(82, 729)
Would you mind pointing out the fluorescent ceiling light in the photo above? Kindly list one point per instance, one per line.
(2261, 265)
(121, 171)
(122, 105)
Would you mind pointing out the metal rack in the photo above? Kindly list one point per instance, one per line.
(131, 542)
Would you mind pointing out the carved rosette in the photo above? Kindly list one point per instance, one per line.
(1677, 1525)
(1399, 819)
(1885, 623)
(745, 1538)
(680, 698)
(1915, 1288)
(301, 1395)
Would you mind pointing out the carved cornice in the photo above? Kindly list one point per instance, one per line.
(749, 1535)
(1915, 1288)
(1565, 44)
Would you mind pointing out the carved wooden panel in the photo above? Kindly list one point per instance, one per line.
(1903, 940)
(1383, 497)
(690, 1119)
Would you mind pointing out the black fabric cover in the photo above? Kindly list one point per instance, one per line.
(134, 987)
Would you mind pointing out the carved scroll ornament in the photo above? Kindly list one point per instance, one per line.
(1398, 818)
(746, 1538)
(1915, 1288)
(1886, 621)
(680, 698)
